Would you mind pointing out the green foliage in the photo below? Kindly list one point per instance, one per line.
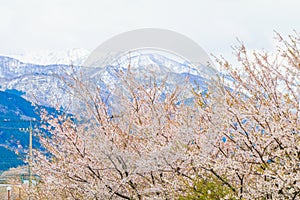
(204, 189)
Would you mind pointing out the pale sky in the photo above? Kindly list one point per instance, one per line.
(33, 25)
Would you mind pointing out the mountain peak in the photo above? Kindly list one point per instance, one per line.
(75, 56)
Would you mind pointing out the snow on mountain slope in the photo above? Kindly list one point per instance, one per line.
(75, 56)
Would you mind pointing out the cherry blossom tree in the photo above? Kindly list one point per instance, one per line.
(258, 149)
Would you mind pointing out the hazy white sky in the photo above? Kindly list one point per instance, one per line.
(31, 25)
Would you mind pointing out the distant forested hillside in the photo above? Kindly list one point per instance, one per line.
(16, 115)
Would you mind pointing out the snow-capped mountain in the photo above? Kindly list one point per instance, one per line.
(75, 56)
(41, 84)
(147, 67)
(44, 84)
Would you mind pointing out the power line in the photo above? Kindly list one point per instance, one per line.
(9, 128)
(20, 120)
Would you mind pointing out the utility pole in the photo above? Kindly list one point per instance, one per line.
(30, 156)
(30, 153)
